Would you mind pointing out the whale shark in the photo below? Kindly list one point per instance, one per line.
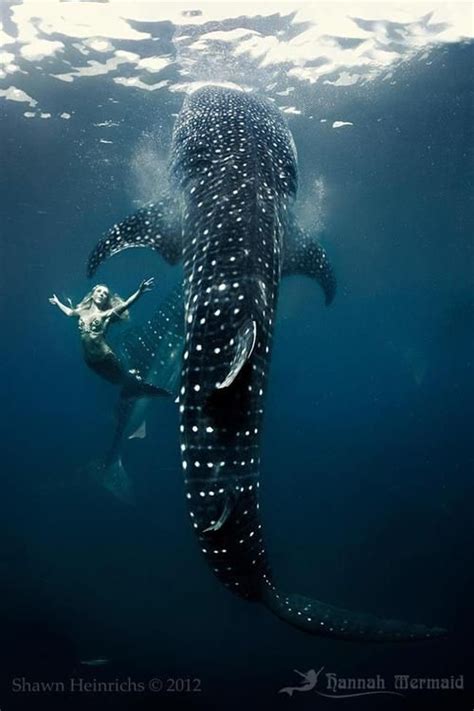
(231, 221)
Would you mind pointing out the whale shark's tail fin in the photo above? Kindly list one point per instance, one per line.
(319, 618)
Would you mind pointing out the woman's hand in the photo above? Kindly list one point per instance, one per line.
(147, 285)
(68, 310)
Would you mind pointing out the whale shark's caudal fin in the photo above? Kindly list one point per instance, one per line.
(319, 618)
(303, 254)
(157, 226)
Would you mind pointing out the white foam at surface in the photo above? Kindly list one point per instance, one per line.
(336, 43)
(153, 64)
(14, 94)
(106, 124)
(6, 58)
(7, 64)
(228, 35)
(139, 84)
(39, 49)
(344, 79)
(95, 68)
(99, 45)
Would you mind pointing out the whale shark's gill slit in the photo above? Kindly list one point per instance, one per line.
(156, 226)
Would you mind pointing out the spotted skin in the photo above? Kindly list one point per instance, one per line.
(303, 254)
(235, 165)
(233, 162)
(155, 226)
(154, 350)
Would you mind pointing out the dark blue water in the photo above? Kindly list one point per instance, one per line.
(367, 490)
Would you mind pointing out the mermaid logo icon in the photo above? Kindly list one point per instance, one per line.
(310, 680)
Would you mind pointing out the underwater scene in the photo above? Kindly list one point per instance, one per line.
(237, 300)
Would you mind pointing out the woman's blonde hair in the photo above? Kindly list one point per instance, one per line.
(114, 300)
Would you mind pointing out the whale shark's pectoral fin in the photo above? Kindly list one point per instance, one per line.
(157, 226)
(156, 347)
(244, 345)
(303, 254)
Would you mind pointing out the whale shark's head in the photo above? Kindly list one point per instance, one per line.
(198, 86)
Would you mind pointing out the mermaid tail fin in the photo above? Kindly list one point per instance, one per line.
(134, 387)
(113, 477)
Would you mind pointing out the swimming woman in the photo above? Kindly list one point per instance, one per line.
(95, 312)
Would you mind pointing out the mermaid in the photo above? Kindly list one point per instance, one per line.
(97, 310)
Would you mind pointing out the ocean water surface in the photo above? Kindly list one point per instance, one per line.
(367, 491)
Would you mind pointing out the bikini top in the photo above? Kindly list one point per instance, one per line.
(95, 326)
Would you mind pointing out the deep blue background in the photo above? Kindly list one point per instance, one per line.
(367, 490)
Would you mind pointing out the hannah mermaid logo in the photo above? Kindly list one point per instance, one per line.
(336, 687)
(333, 686)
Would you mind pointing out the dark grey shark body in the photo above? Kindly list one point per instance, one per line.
(234, 164)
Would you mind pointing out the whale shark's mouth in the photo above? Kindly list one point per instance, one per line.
(196, 86)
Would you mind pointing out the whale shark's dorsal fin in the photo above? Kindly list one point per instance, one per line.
(245, 343)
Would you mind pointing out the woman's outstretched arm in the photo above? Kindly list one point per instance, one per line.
(68, 310)
(146, 285)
